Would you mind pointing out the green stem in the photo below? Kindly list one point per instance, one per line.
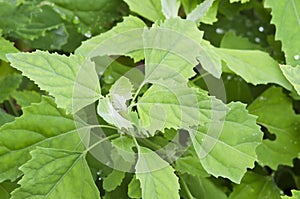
(186, 188)
(132, 103)
(13, 108)
(199, 77)
(100, 141)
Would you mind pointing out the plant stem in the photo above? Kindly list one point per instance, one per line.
(199, 77)
(100, 141)
(13, 108)
(136, 94)
(186, 188)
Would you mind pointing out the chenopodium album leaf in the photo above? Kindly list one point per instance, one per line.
(72, 81)
(41, 124)
(226, 141)
(285, 126)
(56, 173)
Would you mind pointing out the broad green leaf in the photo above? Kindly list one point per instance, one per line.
(168, 106)
(170, 8)
(156, 176)
(134, 188)
(230, 149)
(285, 16)
(5, 118)
(191, 165)
(41, 124)
(292, 74)
(72, 80)
(232, 41)
(275, 112)
(116, 41)
(202, 188)
(150, 9)
(124, 147)
(296, 195)
(256, 186)
(8, 84)
(255, 67)
(113, 180)
(107, 111)
(6, 188)
(119, 192)
(200, 11)
(166, 55)
(58, 24)
(53, 173)
(5, 48)
(120, 92)
(26, 97)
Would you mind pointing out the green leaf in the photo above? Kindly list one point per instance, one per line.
(53, 173)
(156, 176)
(73, 80)
(134, 188)
(296, 195)
(120, 92)
(227, 147)
(6, 188)
(5, 118)
(242, 1)
(256, 186)
(285, 16)
(166, 55)
(150, 9)
(26, 97)
(107, 111)
(168, 106)
(292, 74)
(116, 40)
(124, 147)
(191, 165)
(5, 48)
(170, 8)
(8, 84)
(211, 15)
(285, 126)
(40, 125)
(200, 11)
(255, 67)
(232, 41)
(113, 180)
(201, 188)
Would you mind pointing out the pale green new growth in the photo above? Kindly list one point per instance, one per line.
(56, 173)
(170, 8)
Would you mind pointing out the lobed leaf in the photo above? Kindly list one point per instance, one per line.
(227, 147)
(72, 80)
(285, 16)
(156, 176)
(42, 125)
(56, 173)
(150, 9)
(285, 126)
(116, 40)
(255, 186)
